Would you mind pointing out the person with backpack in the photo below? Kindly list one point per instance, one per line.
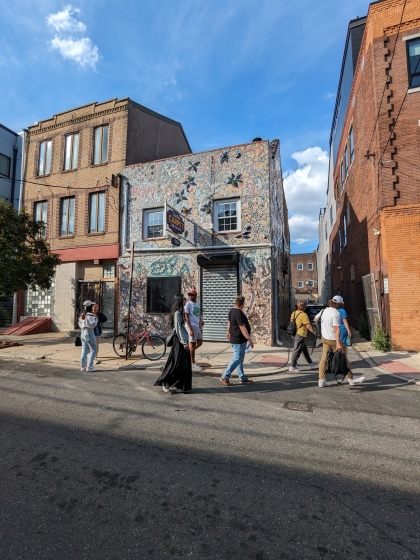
(301, 326)
(87, 324)
(330, 320)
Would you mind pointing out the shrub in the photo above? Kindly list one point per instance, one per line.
(363, 327)
(381, 340)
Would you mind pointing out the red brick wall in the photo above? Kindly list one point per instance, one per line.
(304, 275)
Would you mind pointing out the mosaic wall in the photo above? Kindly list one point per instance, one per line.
(191, 184)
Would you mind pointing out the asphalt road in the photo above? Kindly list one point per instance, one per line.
(107, 466)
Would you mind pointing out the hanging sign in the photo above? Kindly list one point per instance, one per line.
(175, 241)
(174, 221)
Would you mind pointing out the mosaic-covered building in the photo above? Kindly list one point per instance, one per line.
(229, 236)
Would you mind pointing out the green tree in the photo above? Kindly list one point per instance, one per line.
(25, 257)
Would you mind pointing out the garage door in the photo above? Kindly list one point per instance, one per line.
(220, 288)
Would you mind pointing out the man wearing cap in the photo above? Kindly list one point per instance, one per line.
(330, 335)
(194, 324)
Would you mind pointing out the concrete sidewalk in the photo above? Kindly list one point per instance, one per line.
(212, 356)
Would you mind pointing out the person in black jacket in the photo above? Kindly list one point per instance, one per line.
(239, 335)
(101, 318)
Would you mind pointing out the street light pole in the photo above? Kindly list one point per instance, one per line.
(129, 301)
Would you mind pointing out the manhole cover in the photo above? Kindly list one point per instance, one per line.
(302, 406)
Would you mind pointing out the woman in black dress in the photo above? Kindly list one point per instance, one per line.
(177, 372)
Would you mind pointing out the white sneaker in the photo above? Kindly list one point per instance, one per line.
(82, 369)
(314, 365)
(165, 389)
(294, 369)
(196, 367)
(91, 369)
(323, 383)
(356, 380)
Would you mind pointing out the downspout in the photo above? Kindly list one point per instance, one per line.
(276, 298)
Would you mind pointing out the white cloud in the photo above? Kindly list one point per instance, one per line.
(305, 190)
(329, 96)
(64, 22)
(68, 42)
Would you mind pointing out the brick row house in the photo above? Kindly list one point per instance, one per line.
(304, 277)
(72, 183)
(374, 145)
(232, 237)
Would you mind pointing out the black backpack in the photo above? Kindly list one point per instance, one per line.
(318, 325)
(339, 364)
(292, 327)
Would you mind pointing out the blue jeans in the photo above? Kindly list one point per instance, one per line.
(88, 345)
(237, 362)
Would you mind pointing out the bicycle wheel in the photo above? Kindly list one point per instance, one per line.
(119, 344)
(155, 350)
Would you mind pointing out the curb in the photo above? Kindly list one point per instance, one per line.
(365, 356)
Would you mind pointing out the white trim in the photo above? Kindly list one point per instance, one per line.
(238, 228)
(409, 37)
(413, 90)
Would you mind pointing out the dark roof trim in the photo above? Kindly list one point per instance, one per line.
(161, 117)
(8, 129)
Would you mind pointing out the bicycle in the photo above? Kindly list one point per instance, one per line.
(153, 346)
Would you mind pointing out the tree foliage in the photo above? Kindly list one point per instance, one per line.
(25, 257)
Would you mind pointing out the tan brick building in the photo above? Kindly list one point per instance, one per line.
(72, 183)
(375, 142)
(304, 277)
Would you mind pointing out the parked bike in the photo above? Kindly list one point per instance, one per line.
(152, 345)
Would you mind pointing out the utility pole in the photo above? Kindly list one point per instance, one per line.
(129, 302)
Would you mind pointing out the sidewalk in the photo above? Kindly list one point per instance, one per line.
(212, 356)
(403, 365)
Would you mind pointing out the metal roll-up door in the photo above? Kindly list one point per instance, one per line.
(219, 290)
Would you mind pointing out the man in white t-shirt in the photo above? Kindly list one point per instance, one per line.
(330, 335)
(194, 323)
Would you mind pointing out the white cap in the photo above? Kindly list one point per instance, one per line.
(88, 302)
(338, 299)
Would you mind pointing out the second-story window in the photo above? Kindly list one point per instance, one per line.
(227, 215)
(40, 215)
(153, 223)
(71, 151)
(413, 54)
(4, 165)
(67, 216)
(97, 212)
(44, 162)
(100, 144)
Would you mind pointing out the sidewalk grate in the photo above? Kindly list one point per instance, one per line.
(300, 406)
(398, 367)
(274, 361)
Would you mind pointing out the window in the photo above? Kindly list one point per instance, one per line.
(310, 283)
(67, 216)
(310, 266)
(331, 215)
(300, 266)
(71, 151)
(97, 212)
(227, 215)
(326, 231)
(340, 243)
(300, 284)
(40, 213)
(343, 174)
(100, 144)
(4, 165)
(333, 247)
(348, 213)
(413, 56)
(153, 223)
(161, 292)
(351, 145)
(327, 263)
(345, 230)
(44, 163)
(109, 269)
(346, 160)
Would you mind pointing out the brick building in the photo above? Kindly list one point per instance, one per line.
(72, 183)
(233, 237)
(375, 142)
(304, 277)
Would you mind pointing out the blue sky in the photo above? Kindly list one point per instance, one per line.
(229, 70)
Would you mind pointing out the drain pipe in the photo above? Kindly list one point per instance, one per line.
(276, 298)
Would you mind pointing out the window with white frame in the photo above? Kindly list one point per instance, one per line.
(343, 174)
(346, 160)
(40, 215)
(351, 144)
(310, 266)
(300, 266)
(44, 161)
(227, 215)
(100, 144)
(67, 216)
(413, 55)
(71, 151)
(153, 223)
(97, 212)
(4, 165)
(300, 284)
(310, 283)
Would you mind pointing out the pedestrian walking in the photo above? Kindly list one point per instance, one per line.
(177, 372)
(87, 324)
(101, 318)
(194, 325)
(303, 325)
(330, 336)
(239, 335)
